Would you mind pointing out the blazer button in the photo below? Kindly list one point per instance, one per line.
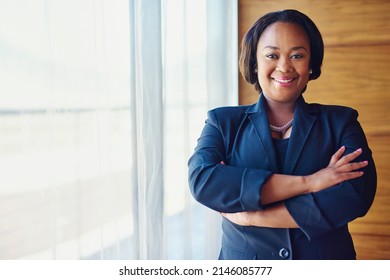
(284, 253)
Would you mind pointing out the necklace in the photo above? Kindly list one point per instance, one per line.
(281, 129)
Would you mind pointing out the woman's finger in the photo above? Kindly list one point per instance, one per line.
(336, 156)
(348, 158)
(349, 167)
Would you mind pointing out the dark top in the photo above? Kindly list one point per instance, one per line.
(301, 247)
(239, 136)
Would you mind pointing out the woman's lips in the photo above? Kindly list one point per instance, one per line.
(285, 82)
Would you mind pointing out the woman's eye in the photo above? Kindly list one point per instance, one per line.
(271, 55)
(296, 56)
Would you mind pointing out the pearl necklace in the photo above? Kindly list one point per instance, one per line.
(281, 129)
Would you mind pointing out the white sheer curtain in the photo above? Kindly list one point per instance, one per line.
(147, 126)
(101, 103)
(200, 73)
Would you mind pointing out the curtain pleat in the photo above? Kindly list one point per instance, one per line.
(200, 73)
(147, 119)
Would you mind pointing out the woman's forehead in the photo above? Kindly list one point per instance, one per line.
(284, 34)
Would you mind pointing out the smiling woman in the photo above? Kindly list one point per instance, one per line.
(285, 194)
(355, 54)
(283, 62)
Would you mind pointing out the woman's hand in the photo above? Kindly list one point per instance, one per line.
(340, 169)
(280, 187)
(276, 216)
(242, 218)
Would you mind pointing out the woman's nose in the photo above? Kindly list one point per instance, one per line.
(284, 65)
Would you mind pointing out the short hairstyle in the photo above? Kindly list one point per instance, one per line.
(248, 60)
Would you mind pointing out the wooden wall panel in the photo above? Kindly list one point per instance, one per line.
(340, 22)
(355, 76)
(355, 73)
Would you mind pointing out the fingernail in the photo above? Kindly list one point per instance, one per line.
(359, 150)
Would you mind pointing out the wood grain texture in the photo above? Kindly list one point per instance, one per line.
(340, 22)
(351, 76)
(372, 247)
(355, 74)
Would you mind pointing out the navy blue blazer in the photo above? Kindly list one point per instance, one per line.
(240, 137)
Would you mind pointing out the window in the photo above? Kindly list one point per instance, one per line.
(101, 106)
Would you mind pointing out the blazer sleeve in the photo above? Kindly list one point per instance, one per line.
(221, 187)
(321, 212)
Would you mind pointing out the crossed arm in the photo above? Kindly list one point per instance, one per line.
(280, 187)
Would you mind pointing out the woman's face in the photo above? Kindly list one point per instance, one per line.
(283, 57)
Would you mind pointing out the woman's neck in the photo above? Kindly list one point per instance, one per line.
(280, 113)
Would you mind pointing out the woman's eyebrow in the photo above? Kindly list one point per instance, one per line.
(271, 47)
(293, 48)
(298, 48)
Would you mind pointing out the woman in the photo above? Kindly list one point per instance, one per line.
(286, 175)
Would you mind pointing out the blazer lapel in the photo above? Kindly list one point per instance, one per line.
(303, 123)
(259, 119)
